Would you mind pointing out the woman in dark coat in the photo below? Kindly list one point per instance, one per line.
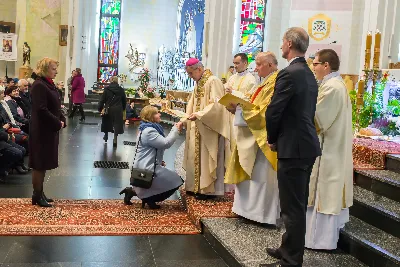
(115, 99)
(78, 94)
(46, 122)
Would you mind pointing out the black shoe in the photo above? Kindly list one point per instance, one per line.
(190, 193)
(204, 197)
(26, 168)
(152, 205)
(82, 119)
(275, 253)
(129, 194)
(38, 199)
(20, 170)
(105, 138)
(276, 264)
(3, 174)
(47, 199)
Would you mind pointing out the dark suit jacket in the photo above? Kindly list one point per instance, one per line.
(290, 115)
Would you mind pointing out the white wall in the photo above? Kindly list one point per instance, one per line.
(147, 25)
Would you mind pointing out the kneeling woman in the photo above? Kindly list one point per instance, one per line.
(151, 145)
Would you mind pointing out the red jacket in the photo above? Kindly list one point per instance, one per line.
(78, 89)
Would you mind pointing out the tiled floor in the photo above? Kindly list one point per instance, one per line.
(76, 178)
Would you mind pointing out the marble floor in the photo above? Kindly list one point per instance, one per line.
(76, 178)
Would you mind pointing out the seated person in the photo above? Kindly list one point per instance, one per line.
(14, 103)
(131, 112)
(151, 145)
(6, 116)
(11, 154)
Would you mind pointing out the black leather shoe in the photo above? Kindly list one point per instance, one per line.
(152, 205)
(129, 194)
(275, 253)
(38, 199)
(47, 199)
(26, 168)
(20, 170)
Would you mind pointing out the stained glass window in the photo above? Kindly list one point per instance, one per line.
(252, 27)
(110, 20)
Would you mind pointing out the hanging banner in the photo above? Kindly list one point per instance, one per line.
(8, 49)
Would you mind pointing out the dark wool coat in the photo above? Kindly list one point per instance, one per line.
(114, 97)
(46, 120)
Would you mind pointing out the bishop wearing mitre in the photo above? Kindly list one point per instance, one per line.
(207, 148)
(253, 165)
(242, 83)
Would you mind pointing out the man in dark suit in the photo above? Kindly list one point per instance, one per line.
(292, 133)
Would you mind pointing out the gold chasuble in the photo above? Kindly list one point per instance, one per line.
(250, 138)
(204, 136)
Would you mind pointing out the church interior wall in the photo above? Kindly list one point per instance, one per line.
(147, 25)
(8, 10)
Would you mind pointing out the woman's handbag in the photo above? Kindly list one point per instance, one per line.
(142, 178)
(105, 110)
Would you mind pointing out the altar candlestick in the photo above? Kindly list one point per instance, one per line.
(377, 49)
(361, 86)
(368, 51)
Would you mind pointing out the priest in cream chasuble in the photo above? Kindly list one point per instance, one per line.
(242, 83)
(208, 134)
(253, 165)
(331, 181)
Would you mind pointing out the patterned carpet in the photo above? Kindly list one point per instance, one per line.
(197, 209)
(92, 217)
(371, 154)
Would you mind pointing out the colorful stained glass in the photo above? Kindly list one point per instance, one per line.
(105, 73)
(111, 7)
(109, 40)
(110, 20)
(252, 27)
(253, 9)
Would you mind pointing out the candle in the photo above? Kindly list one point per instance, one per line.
(361, 85)
(368, 51)
(377, 49)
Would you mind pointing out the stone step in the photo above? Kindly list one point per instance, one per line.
(376, 210)
(381, 182)
(393, 162)
(240, 243)
(369, 244)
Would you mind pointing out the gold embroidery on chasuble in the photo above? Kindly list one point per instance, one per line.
(199, 94)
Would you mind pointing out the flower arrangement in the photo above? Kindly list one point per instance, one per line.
(144, 80)
(130, 91)
(149, 92)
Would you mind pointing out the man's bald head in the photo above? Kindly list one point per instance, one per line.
(266, 63)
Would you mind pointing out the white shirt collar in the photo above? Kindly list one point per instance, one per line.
(293, 60)
(242, 73)
(329, 76)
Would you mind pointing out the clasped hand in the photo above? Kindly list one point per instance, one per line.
(272, 147)
(179, 125)
(192, 117)
(232, 108)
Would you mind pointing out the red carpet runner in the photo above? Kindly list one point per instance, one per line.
(92, 217)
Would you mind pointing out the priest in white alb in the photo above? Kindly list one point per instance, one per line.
(242, 82)
(253, 165)
(331, 182)
(207, 147)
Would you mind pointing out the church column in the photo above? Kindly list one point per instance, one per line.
(219, 22)
(20, 30)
